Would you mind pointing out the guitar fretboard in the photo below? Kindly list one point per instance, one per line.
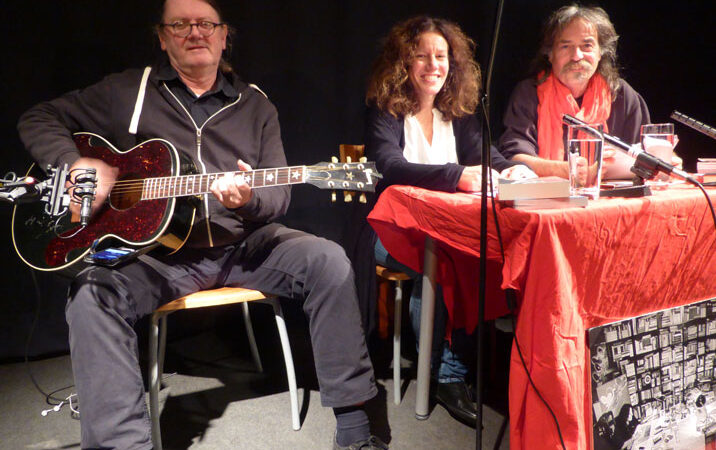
(185, 185)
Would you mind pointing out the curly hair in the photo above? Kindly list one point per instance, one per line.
(606, 35)
(389, 86)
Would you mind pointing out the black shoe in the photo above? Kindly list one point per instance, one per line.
(455, 398)
(372, 443)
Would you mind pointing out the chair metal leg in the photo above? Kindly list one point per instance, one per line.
(162, 346)
(252, 339)
(288, 358)
(154, 376)
(396, 340)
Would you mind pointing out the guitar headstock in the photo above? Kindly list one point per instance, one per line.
(349, 176)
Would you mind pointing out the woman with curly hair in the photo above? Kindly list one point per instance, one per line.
(422, 130)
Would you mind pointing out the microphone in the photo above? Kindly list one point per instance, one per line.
(646, 164)
(86, 209)
(20, 191)
(85, 187)
(13, 182)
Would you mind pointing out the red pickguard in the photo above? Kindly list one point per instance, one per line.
(139, 224)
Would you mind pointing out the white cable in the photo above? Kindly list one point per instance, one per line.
(57, 407)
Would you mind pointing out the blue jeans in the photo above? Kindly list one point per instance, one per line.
(448, 360)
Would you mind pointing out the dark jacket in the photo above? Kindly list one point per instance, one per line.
(246, 129)
(629, 112)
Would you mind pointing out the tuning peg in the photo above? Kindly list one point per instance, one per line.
(347, 197)
(333, 196)
(363, 159)
(362, 198)
(334, 159)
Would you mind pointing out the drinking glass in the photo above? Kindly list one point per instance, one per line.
(658, 139)
(584, 155)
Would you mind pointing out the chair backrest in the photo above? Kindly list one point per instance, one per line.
(351, 153)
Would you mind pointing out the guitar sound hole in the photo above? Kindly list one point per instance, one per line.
(124, 194)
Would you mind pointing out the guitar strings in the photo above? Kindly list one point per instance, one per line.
(184, 181)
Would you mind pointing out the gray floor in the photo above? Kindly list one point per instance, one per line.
(214, 399)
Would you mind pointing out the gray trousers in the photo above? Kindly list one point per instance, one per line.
(104, 305)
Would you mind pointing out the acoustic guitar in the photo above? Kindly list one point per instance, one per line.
(153, 200)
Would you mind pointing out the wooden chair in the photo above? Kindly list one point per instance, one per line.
(352, 153)
(202, 299)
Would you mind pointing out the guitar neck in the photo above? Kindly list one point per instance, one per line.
(187, 185)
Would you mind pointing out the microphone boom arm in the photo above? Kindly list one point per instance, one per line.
(646, 164)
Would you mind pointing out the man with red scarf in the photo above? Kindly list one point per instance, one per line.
(576, 73)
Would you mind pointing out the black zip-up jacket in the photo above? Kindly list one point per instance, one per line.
(246, 129)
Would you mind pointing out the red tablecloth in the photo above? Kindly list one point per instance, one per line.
(574, 268)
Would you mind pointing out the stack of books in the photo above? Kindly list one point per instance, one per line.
(707, 167)
(538, 193)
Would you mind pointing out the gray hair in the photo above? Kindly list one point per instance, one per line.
(606, 35)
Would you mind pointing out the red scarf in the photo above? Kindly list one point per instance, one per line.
(555, 100)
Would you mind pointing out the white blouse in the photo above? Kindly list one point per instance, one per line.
(418, 150)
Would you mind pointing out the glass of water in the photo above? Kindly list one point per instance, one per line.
(584, 155)
(658, 139)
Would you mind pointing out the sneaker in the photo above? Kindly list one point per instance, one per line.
(372, 443)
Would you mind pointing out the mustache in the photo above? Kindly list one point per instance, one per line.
(577, 65)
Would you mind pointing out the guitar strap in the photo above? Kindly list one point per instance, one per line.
(140, 101)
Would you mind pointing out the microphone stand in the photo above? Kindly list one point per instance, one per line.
(486, 171)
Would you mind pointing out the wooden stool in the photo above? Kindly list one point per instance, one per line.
(398, 278)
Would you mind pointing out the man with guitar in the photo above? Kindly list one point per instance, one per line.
(193, 101)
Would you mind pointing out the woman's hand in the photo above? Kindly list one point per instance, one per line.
(471, 179)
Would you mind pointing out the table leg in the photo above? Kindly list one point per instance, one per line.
(425, 340)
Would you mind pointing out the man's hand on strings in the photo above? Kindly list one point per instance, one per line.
(231, 189)
(106, 176)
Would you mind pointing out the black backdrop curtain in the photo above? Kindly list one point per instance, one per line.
(312, 59)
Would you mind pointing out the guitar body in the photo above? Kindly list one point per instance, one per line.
(123, 218)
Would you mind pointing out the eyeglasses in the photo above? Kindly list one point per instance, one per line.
(183, 29)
